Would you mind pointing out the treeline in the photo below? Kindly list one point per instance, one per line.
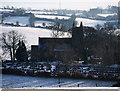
(92, 13)
(102, 44)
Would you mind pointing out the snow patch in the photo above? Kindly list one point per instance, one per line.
(105, 15)
(52, 17)
(89, 22)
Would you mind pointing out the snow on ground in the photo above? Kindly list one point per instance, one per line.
(41, 12)
(52, 17)
(89, 22)
(21, 19)
(5, 10)
(68, 14)
(86, 22)
(30, 33)
(24, 20)
(47, 23)
(78, 14)
(105, 15)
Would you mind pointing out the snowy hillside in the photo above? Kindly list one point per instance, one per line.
(40, 23)
(23, 20)
(40, 12)
(5, 10)
(51, 17)
(86, 22)
(89, 22)
(105, 15)
(30, 33)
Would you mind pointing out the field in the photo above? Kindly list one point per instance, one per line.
(105, 15)
(25, 20)
(30, 33)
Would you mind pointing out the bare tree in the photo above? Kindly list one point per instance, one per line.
(32, 20)
(1, 18)
(20, 11)
(10, 42)
(58, 30)
(98, 27)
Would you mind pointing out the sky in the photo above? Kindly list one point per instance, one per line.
(54, 4)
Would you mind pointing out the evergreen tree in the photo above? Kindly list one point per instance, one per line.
(21, 52)
(25, 56)
(10, 42)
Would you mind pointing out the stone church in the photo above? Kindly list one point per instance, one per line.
(52, 49)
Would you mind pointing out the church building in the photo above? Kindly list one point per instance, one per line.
(53, 49)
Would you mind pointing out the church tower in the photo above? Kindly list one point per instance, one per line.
(77, 39)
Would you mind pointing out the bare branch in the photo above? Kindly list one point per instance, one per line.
(10, 42)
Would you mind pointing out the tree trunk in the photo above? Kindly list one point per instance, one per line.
(11, 54)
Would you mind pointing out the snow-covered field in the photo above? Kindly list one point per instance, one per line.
(105, 15)
(52, 17)
(23, 20)
(86, 22)
(30, 33)
(89, 22)
(41, 12)
(47, 23)
(5, 10)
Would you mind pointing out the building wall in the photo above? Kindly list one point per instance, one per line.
(35, 53)
(45, 51)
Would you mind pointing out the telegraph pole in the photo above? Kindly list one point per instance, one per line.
(59, 4)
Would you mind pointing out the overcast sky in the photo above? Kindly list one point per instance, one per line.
(54, 4)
